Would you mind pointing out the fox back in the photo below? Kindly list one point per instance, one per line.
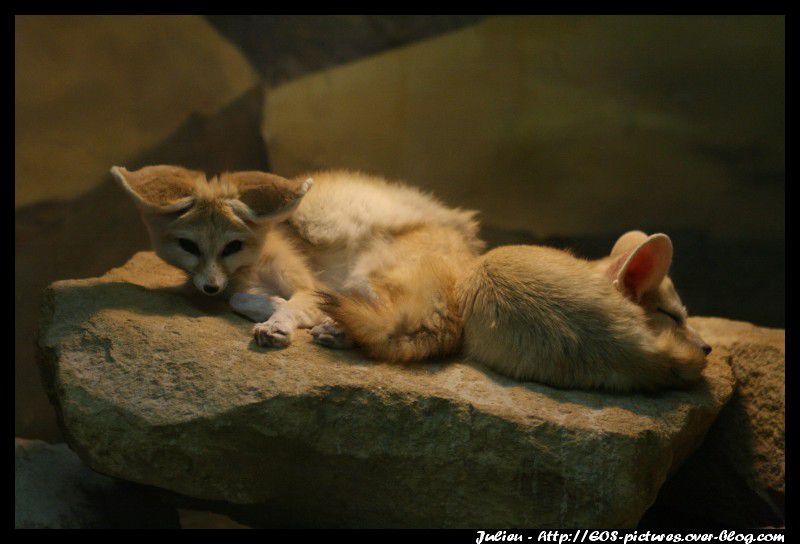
(542, 314)
(389, 256)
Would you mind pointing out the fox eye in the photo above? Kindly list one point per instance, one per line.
(232, 247)
(189, 246)
(672, 316)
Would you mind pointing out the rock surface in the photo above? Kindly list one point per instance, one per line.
(742, 460)
(53, 489)
(158, 387)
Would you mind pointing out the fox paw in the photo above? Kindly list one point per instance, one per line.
(273, 334)
(331, 335)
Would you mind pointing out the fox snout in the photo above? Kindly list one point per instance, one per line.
(697, 340)
(210, 280)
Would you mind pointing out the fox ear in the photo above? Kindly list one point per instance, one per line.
(628, 242)
(266, 196)
(644, 267)
(159, 189)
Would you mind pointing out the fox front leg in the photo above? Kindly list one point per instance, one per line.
(300, 311)
(254, 306)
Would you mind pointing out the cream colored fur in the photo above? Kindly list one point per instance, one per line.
(541, 314)
(387, 257)
(412, 312)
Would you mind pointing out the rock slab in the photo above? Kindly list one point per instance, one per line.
(157, 386)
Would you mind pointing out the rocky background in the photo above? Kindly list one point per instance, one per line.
(566, 130)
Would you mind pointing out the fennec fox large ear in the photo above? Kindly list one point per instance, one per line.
(266, 196)
(161, 188)
(628, 242)
(640, 267)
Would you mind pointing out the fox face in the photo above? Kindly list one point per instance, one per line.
(210, 229)
(638, 268)
(210, 242)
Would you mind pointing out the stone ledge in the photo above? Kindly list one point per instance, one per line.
(166, 389)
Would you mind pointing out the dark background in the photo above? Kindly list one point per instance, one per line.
(561, 130)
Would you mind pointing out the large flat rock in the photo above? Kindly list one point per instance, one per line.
(159, 387)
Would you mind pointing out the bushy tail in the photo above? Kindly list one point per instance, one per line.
(415, 314)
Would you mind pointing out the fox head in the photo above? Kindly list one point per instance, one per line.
(212, 228)
(638, 268)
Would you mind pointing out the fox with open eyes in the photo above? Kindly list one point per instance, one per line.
(385, 255)
(383, 266)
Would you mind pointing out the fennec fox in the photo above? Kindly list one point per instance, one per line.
(541, 314)
(382, 259)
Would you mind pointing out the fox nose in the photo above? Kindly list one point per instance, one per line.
(706, 348)
(210, 289)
